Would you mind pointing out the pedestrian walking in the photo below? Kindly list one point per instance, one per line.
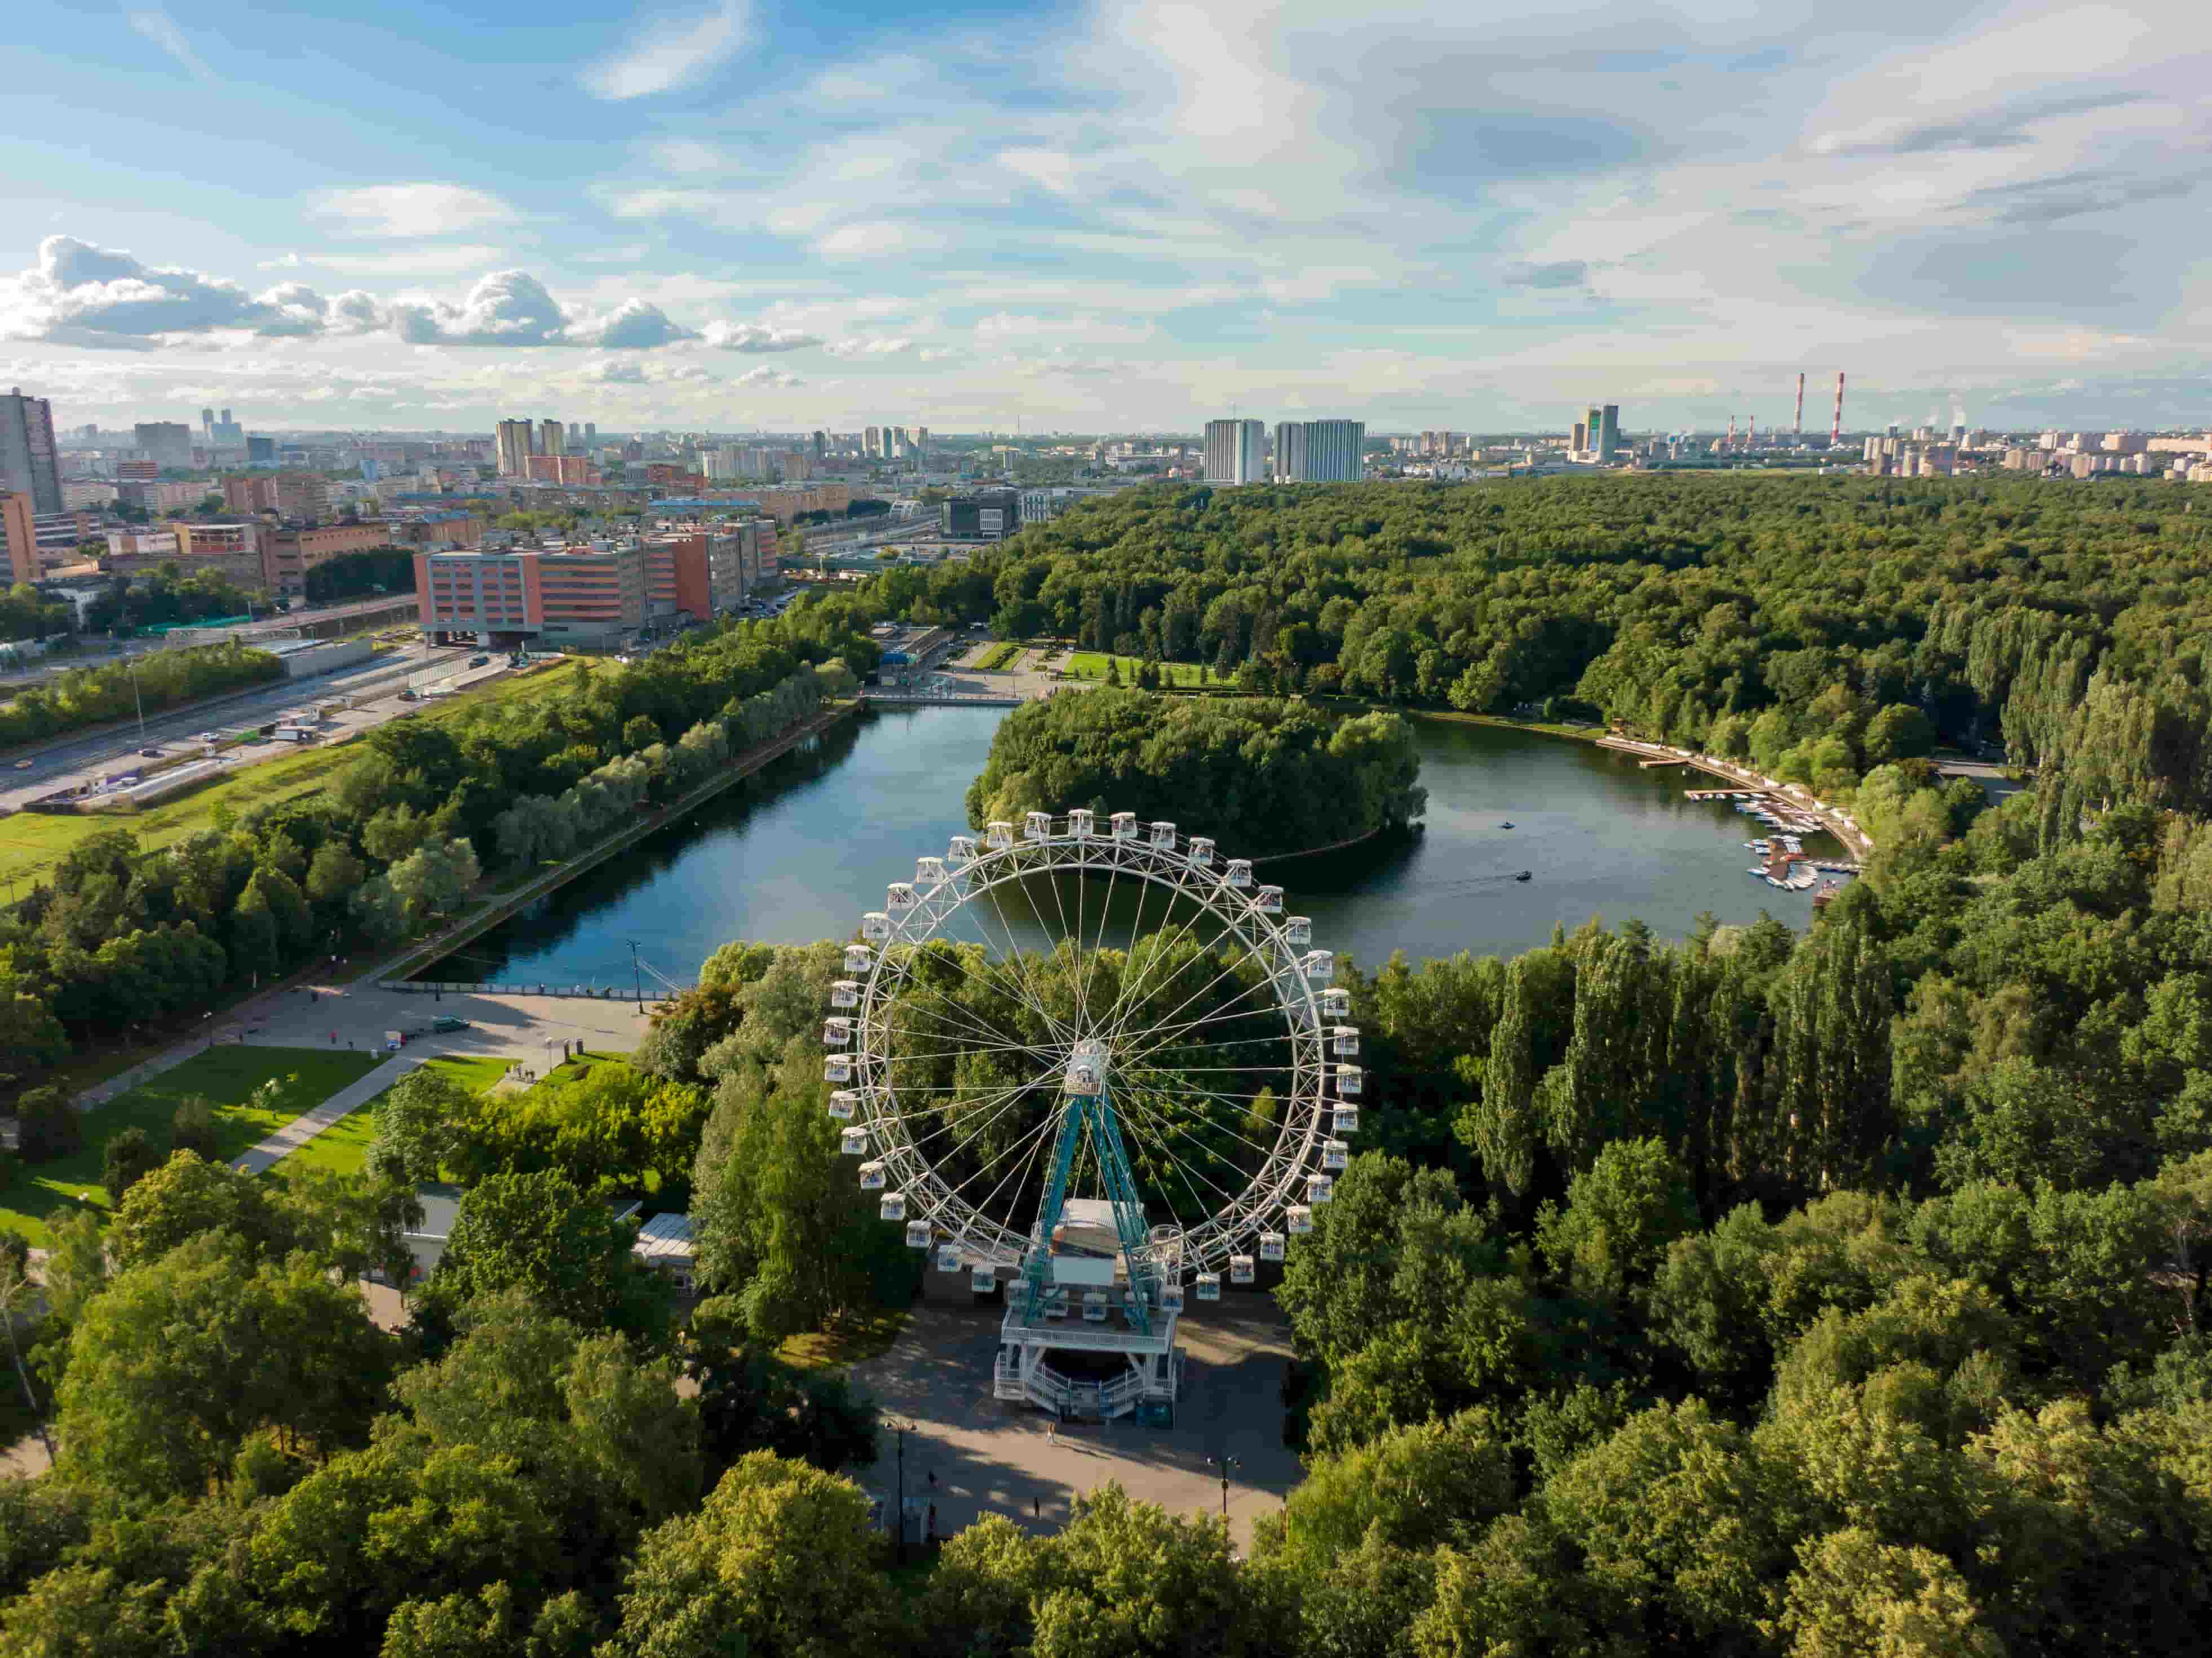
(930, 1535)
(1052, 1430)
(1036, 1507)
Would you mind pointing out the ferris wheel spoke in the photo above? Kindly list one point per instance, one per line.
(955, 1013)
(1166, 951)
(1031, 995)
(1234, 963)
(975, 1025)
(1182, 1168)
(1128, 1000)
(1036, 1140)
(1169, 1032)
(1005, 1100)
(1229, 1100)
(1169, 1023)
(1098, 950)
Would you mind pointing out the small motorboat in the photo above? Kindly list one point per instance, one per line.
(1526, 875)
(1505, 826)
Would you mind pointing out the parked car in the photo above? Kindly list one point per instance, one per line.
(478, 661)
(446, 1022)
(151, 754)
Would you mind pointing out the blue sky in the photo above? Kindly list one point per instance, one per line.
(742, 212)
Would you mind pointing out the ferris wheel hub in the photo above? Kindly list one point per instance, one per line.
(1086, 1068)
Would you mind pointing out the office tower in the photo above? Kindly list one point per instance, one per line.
(207, 423)
(871, 442)
(821, 446)
(575, 436)
(1581, 439)
(1602, 430)
(922, 437)
(1321, 451)
(1236, 452)
(591, 433)
(550, 439)
(29, 463)
(226, 419)
(511, 438)
(166, 443)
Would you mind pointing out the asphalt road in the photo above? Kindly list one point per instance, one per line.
(89, 758)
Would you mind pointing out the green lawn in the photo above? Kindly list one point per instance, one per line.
(1092, 664)
(847, 1341)
(996, 656)
(343, 1146)
(226, 1076)
(577, 1069)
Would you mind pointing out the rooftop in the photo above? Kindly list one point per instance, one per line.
(664, 1238)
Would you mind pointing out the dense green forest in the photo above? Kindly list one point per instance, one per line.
(1263, 776)
(1822, 626)
(122, 941)
(1820, 1294)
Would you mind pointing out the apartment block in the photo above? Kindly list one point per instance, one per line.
(562, 469)
(574, 595)
(287, 555)
(234, 548)
(701, 573)
(29, 459)
(303, 496)
(22, 538)
(244, 494)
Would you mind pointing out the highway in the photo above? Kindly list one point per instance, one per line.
(86, 760)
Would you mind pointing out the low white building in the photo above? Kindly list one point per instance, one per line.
(665, 1243)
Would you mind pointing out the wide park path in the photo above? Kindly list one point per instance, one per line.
(994, 1457)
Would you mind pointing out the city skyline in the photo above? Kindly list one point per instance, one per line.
(682, 218)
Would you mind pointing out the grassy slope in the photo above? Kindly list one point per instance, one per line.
(1092, 664)
(226, 1076)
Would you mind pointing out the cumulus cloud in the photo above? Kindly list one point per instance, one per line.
(508, 308)
(863, 349)
(410, 210)
(756, 338)
(765, 375)
(81, 295)
(633, 326)
(670, 53)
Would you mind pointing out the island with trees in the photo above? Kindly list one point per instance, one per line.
(1264, 776)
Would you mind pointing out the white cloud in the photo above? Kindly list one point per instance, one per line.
(765, 375)
(410, 210)
(862, 349)
(756, 338)
(633, 326)
(671, 53)
(81, 295)
(156, 27)
(508, 308)
(879, 238)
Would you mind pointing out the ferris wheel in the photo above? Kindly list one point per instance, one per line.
(1073, 1038)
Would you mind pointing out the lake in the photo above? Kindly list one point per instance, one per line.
(798, 851)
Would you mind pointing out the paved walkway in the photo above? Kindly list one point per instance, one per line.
(991, 1457)
(529, 1030)
(303, 1128)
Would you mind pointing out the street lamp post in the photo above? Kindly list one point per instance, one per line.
(1228, 1464)
(637, 979)
(898, 1513)
(132, 668)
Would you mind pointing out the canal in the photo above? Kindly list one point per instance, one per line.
(801, 849)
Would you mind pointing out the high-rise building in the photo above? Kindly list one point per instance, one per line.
(19, 537)
(207, 423)
(922, 437)
(1580, 441)
(261, 452)
(1236, 452)
(575, 435)
(821, 446)
(166, 442)
(590, 433)
(871, 442)
(1601, 430)
(551, 440)
(1321, 451)
(30, 462)
(511, 438)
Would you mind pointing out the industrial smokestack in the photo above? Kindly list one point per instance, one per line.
(1731, 436)
(1836, 430)
(1799, 428)
(1750, 437)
